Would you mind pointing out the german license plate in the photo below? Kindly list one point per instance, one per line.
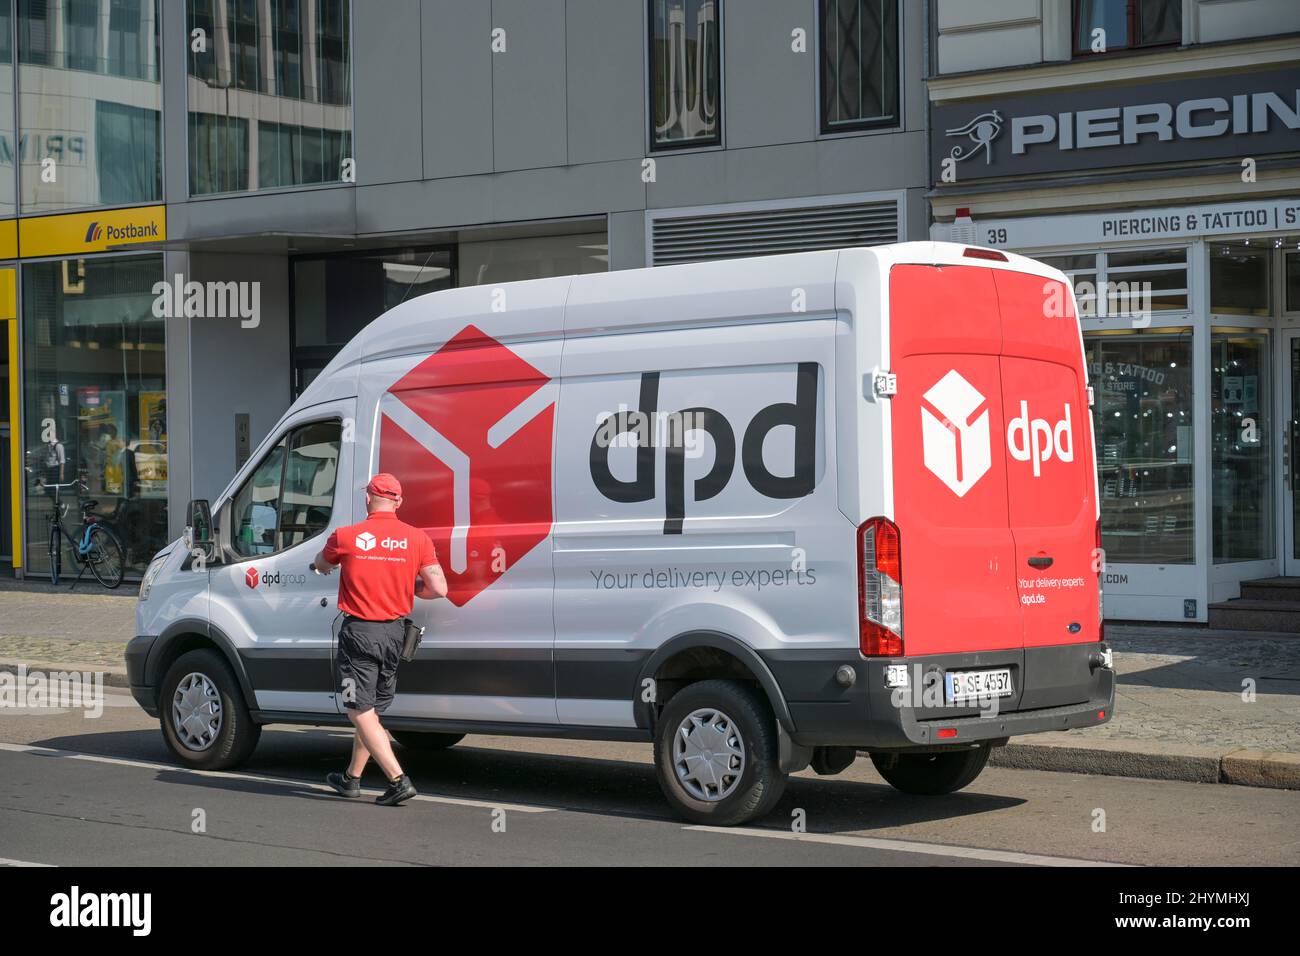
(973, 685)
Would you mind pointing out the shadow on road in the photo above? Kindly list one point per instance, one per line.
(604, 786)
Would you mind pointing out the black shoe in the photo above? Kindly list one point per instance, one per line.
(397, 792)
(344, 785)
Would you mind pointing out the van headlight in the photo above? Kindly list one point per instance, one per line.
(155, 566)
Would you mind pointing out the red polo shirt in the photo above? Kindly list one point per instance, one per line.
(380, 559)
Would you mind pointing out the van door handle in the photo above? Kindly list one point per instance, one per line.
(1040, 561)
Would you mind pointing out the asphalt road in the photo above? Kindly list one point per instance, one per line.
(81, 791)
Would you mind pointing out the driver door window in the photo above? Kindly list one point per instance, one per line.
(290, 495)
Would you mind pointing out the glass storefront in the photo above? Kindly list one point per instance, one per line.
(1241, 445)
(270, 94)
(1143, 422)
(95, 399)
(336, 296)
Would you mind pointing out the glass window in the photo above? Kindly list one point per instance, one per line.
(293, 124)
(1082, 271)
(1126, 24)
(255, 509)
(95, 396)
(289, 497)
(1240, 446)
(1239, 279)
(1292, 280)
(218, 153)
(84, 142)
(859, 64)
(507, 260)
(685, 73)
(8, 149)
(1142, 420)
(1144, 281)
(310, 472)
(335, 297)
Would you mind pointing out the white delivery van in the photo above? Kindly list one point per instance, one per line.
(764, 514)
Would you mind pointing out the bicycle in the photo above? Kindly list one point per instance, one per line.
(99, 548)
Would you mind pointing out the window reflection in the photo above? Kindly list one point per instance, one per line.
(1142, 419)
(89, 103)
(1239, 424)
(269, 94)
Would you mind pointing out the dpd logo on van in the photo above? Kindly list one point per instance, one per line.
(955, 433)
(956, 441)
(800, 415)
(468, 433)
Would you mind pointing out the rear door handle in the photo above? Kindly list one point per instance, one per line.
(1041, 562)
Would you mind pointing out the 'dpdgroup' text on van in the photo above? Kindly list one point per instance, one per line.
(765, 514)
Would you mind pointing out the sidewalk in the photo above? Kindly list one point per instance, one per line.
(1179, 712)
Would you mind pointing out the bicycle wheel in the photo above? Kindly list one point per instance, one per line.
(106, 556)
(56, 554)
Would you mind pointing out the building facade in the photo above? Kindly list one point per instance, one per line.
(202, 200)
(1149, 149)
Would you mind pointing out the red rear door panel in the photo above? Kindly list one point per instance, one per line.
(950, 481)
(1050, 485)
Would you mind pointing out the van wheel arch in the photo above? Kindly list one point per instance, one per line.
(723, 657)
(191, 634)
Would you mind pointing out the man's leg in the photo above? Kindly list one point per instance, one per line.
(360, 753)
(373, 739)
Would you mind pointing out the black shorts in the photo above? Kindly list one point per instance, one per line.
(365, 667)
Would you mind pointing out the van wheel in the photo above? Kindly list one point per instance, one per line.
(932, 774)
(204, 718)
(716, 753)
(418, 740)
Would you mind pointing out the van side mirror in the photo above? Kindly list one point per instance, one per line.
(198, 530)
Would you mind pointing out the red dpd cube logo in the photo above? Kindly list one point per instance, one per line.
(468, 434)
(250, 577)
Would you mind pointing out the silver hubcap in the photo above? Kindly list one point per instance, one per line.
(708, 754)
(196, 711)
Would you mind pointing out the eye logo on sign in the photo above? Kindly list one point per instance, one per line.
(250, 577)
(955, 433)
(982, 131)
(365, 541)
(469, 432)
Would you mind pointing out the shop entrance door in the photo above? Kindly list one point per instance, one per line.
(1290, 449)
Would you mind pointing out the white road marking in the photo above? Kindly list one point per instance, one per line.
(260, 778)
(4, 862)
(909, 846)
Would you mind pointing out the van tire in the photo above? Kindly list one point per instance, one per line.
(237, 735)
(420, 741)
(932, 774)
(761, 781)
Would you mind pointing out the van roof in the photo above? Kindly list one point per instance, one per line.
(703, 293)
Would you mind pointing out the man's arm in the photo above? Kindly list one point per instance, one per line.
(431, 584)
(328, 559)
(323, 564)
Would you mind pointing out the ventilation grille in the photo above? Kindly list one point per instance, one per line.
(772, 232)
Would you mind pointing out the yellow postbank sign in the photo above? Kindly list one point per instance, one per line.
(83, 232)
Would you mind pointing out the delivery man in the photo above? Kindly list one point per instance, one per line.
(386, 564)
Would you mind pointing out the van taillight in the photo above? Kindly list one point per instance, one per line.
(880, 589)
(992, 254)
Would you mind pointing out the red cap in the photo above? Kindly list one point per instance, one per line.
(384, 485)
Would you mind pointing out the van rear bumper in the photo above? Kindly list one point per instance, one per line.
(1062, 687)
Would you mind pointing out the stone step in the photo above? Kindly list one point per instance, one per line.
(1253, 614)
(1272, 589)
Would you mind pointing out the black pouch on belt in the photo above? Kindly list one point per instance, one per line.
(412, 634)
